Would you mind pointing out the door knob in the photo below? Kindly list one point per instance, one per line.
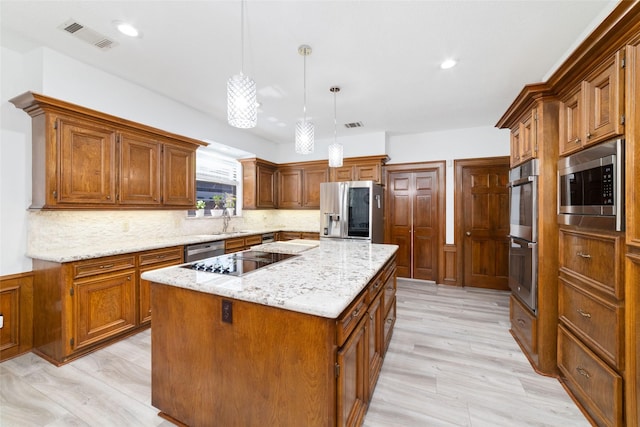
(468, 233)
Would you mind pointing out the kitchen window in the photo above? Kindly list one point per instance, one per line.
(217, 183)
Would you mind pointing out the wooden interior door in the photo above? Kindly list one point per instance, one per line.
(483, 221)
(415, 220)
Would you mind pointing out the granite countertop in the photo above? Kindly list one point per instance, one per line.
(322, 280)
(71, 254)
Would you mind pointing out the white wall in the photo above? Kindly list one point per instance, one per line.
(449, 145)
(15, 165)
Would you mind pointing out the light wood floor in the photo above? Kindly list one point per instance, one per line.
(451, 362)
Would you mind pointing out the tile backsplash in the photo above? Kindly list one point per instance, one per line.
(68, 229)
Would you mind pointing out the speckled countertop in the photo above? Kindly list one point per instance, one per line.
(323, 280)
(75, 253)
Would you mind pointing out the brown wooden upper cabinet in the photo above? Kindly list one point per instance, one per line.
(84, 159)
(268, 185)
(360, 169)
(299, 186)
(592, 111)
(258, 184)
(524, 139)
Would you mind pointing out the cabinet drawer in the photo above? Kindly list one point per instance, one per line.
(288, 235)
(523, 324)
(594, 258)
(595, 320)
(234, 243)
(310, 236)
(161, 255)
(374, 287)
(350, 318)
(253, 240)
(595, 385)
(390, 287)
(103, 265)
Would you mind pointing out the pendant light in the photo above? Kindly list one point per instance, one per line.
(304, 127)
(242, 108)
(335, 149)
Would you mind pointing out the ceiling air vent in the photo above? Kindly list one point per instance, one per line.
(87, 35)
(353, 125)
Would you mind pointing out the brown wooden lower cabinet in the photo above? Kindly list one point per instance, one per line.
(152, 260)
(80, 306)
(238, 244)
(16, 309)
(268, 366)
(591, 329)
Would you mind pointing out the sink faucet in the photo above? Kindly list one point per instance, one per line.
(225, 220)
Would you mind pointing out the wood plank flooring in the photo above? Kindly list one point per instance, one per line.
(451, 362)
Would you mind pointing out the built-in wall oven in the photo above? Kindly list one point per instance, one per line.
(523, 232)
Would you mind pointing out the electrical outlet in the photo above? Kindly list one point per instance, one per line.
(227, 311)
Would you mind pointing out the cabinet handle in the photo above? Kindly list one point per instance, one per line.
(583, 255)
(129, 278)
(588, 135)
(160, 256)
(584, 313)
(390, 320)
(468, 233)
(108, 197)
(106, 266)
(521, 322)
(583, 372)
(355, 313)
(577, 140)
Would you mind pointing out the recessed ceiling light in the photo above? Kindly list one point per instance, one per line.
(127, 29)
(449, 63)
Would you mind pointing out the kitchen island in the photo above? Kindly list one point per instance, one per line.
(297, 343)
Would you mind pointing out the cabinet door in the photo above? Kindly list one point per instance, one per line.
(528, 137)
(343, 173)
(515, 146)
(311, 179)
(179, 177)
(290, 189)
(139, 170)
(103, 306)
(352, 378)
(86, 169)
(368, 172)
(266, 187)
(603, 99)
(375, 342)
(571, 122)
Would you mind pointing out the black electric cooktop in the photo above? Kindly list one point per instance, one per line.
(239, 263)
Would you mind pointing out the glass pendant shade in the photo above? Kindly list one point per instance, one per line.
(242, 107)
(335, 155)
(304, 137)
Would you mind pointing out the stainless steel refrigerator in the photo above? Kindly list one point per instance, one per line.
(351, 210)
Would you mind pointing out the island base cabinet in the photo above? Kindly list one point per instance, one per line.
(267, 367)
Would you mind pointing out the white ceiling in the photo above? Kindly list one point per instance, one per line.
(384, 55)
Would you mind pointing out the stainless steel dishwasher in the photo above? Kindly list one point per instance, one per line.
(203, 250)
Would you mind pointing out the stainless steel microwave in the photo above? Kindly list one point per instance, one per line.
(591, 187)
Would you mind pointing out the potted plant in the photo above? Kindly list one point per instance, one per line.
(230, 203)
(200, 205)
(217, 205)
